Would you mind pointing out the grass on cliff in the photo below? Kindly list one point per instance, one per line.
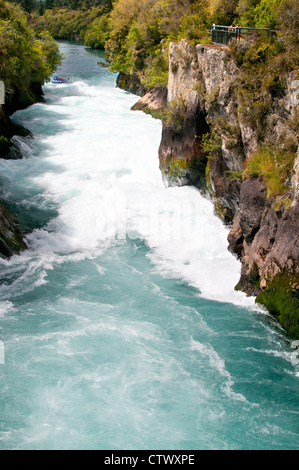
(264, 68)
(275, 166)
(174, 115)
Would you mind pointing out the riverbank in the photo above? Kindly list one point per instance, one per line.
(26, 61)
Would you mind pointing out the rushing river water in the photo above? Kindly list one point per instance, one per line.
(120, 326)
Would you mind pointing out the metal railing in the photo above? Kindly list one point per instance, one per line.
(224, 34)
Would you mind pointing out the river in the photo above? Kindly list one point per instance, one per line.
(120, 326)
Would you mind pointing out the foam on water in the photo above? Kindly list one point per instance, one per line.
(105, 180)
(217, 363)
(5, 307)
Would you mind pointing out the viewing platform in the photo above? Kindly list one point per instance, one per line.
(224, 34)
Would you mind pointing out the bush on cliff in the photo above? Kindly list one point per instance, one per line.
(274, 165)
(264, 68)
(174, 115)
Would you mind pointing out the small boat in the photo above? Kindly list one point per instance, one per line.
(60, 80)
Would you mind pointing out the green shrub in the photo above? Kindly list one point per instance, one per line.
(174, 115)
(156, 70)
(4, 145)
(234, 175)
(274, 166)
(211, 143)
(266, 13)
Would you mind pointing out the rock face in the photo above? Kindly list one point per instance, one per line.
(130, 83)
(7, 130)
(265, 240)
(153, 102)
(11, 240)
(202, 96)
(201, 79)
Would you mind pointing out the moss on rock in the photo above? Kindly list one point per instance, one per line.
(281, 298)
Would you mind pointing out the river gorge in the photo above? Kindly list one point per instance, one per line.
(120, 324)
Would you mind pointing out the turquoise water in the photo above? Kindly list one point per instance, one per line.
(120, 326)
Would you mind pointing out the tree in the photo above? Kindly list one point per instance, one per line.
(223, 11)
(25, 61)
(266, 13)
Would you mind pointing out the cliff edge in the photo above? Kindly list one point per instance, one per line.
(230, 129)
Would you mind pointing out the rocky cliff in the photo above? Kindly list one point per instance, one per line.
(11, 238)
(216, 140)
(7, 130)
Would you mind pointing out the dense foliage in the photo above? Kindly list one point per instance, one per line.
(42, 5)
(26, 61)
(63, 23)
(136, 34)
(141, 32)
(65, 19)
